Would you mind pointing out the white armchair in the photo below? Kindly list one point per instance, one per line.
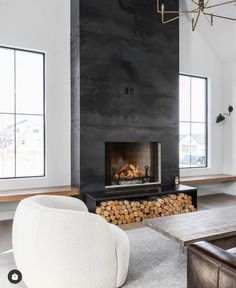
(57, 243)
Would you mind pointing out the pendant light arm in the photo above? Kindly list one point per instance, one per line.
(209, 21)
(202, 7)
(220, 4)
(159, 10)
(170, 20)
(194, 2)
(194, 23)
(206, 4)
(219, 16)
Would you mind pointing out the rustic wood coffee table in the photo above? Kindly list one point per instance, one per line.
(214, 225)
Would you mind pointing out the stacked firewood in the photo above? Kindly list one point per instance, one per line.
(122, 212)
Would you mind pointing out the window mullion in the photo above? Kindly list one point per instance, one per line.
(190, 92)
(15, 112)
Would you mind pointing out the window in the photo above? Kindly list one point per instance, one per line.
(193, 121)
(21, 113)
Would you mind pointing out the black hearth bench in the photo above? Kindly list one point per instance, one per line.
(94, 198)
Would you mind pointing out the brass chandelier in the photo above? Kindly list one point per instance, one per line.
(202, 7)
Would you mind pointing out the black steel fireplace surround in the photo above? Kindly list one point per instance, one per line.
(125, 67)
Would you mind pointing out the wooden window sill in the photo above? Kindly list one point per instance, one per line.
(207, 179)
(17, 195)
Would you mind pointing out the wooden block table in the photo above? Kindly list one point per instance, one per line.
(208, 225)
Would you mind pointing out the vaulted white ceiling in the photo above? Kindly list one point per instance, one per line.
(221, 37)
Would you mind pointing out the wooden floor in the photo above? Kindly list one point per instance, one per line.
(204, 203)
(216, 201)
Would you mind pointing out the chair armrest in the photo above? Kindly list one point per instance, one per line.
(214, 253)
(121, 243)
(208, 265)
(60, 202)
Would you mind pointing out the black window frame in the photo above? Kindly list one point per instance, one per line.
(206, 122)
(28, 114)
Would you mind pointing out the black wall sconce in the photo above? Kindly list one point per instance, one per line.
(221, 118)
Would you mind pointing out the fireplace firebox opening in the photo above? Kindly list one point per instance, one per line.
(132, 163)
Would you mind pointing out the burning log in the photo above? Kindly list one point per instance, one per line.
(128, 172)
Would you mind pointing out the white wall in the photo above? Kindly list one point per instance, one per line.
(210, 51)
(197, 58)
(229, 124)
(44, 25)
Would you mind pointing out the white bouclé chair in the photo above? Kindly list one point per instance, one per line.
(57, 243)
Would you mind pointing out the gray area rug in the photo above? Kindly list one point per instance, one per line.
(155, 262)
(7, 264)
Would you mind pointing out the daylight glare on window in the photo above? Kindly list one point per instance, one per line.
(21, 113)
(193, 121)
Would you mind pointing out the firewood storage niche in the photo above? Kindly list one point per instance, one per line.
(132, 163)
